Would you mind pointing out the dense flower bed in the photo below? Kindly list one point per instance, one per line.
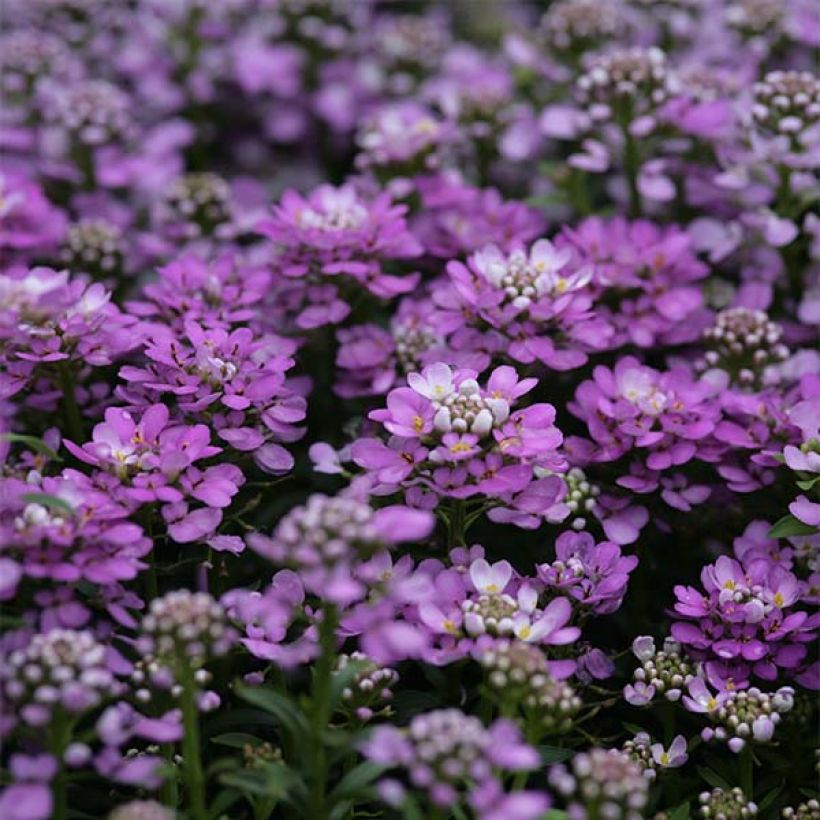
(409, 409)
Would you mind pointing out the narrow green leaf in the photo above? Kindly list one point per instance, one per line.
(286, 711)
(680, 813)
(357, 780)
(224, 800)
(34, 443)
(47, 500)
(554, 754)
(713, 778)
(789, 526)
(237, 740)
(808, 483)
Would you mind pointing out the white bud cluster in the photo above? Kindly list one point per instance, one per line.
(604, 783)
(142, 810)
(810, 810)
(26, 55)
(669, 671)
(748, 715)
(186, 627)
(202, 199)
(637, 77)
(755, 17)
(412, 339)
(370, 691)
(719, 804)
(787, 103)
(61, 669)
(94, 111)
(465, 410)
(581, 24)
(519, 673)
(743, 343)
(93, 246)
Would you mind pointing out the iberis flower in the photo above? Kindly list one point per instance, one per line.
(329, 537)
(29, 223)
(663, 415)
(452, 758)
(153, 461)
(540, 306)
(648, 276)
(595, 576)
(333, 238)
(49, 319)
(234, 381)
(805, 460)
(471, 611)
(58, 531)
(452, 438)
(220, 293)
(748, 619)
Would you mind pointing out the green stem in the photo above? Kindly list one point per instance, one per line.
(321, 709)
(191, 760)
(74, 420)
(746, 765)
(668, 715)
(60, 736)
(168, 791)
(457, 520)
(632, 164)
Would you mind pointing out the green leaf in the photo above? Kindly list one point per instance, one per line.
(808, 483)
(788, 526)
(47, 500)
(274, 780)
(224, 800)
(286, 711)
(237, 740)
(680, 813)
(554, 814)
(554, 754)
(357, 780)
(713, 778)
(32, 442)
(769, 798)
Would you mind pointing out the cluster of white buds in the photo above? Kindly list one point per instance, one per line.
(61, 670)
(325, 532)
(95, 112)
(580, 25)
(665, 672)
(142, 810)
(787, 103)
(184, 627)
(719, 804)
(410, 43)
(628, 83)
(581, 496)
(810, 810)
(743, 342)
(465, 410)
(519, 674)
(748, 715)
(93, 246)
(370, 691)
(25, 56)
(200, 200)
(602, 783)
(652, 756)
(753, 18)
(412, 339)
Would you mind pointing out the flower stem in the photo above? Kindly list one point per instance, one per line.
(191, 761)
(632, 164)
(456, 523)
(60, 735)
(74, 420)
(321, 708)
(746, 765)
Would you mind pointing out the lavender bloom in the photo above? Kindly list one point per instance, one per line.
(449, 755)
(652, 757)
(594, 575)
